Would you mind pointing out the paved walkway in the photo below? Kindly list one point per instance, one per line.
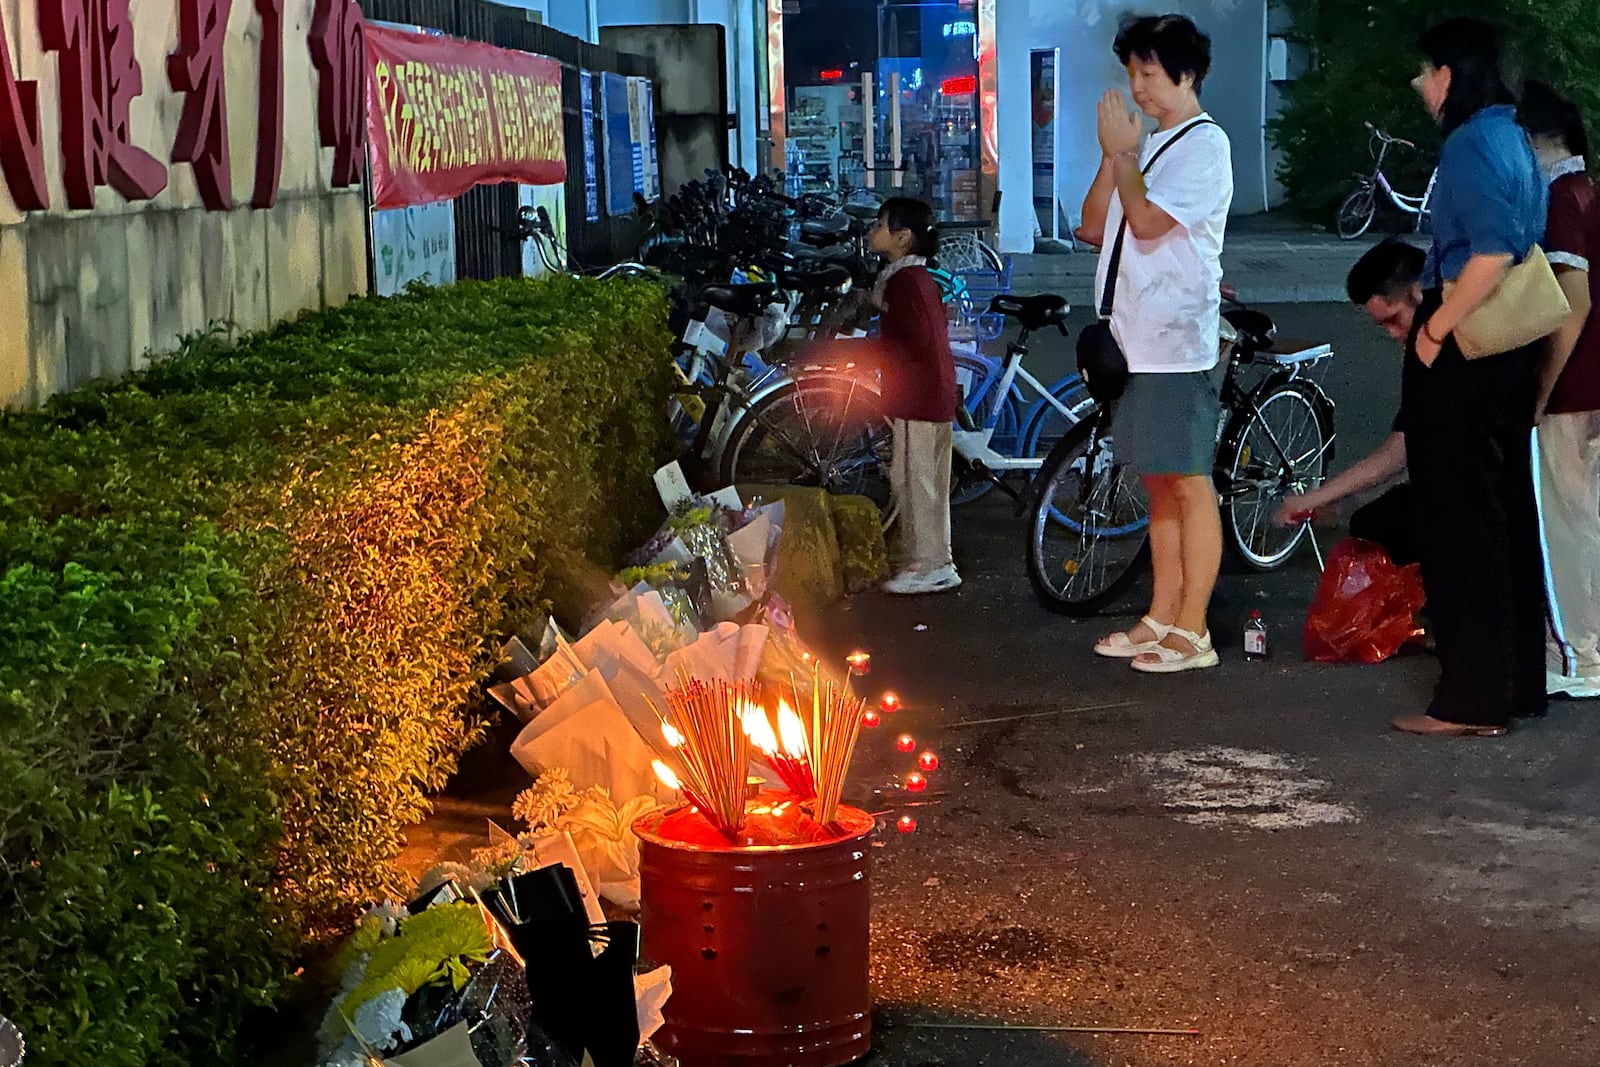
(1275, 258)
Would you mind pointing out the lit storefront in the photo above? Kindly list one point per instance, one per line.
(888, 96)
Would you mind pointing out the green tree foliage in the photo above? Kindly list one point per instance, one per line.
(1364, 57)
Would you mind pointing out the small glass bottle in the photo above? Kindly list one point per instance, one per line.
(1255, 637)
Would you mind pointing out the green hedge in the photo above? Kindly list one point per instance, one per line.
(246, 601)
(1365, 57)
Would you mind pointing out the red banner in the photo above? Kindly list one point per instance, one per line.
(445, 114)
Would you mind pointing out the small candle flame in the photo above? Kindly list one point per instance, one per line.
(670, 732)
(792, 730)
(664, 773)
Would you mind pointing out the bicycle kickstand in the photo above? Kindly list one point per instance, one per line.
(1316, 549)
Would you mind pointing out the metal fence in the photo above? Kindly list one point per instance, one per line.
(487, 244)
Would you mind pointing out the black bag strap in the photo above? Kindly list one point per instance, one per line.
(1108, 299)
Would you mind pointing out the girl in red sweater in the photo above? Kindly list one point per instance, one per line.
(919, 393)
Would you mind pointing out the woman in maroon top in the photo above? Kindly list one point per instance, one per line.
(1568, 459)
(919, 393)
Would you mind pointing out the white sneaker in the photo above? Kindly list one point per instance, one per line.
(911, 583)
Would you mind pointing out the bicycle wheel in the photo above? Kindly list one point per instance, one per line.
(824, 432)
(1046, 426)
(1284, 450)
(966, 484)
(1356, 213)
(1088, 534)
(974, 377)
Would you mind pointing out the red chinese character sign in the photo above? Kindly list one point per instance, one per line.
(21, 153)
(338, 51)
(446, 114)
(100, 77)
(269, 120)
(197, 69)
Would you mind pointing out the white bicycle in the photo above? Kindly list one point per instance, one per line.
(1361, 207)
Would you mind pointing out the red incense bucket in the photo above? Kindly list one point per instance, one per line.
(767, 938)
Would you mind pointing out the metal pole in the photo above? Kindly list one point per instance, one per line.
(869, 131)
(895, 148)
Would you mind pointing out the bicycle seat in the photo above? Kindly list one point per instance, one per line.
(830, 226)
(815, 280)
(744, 301)
(1032, 312)
(1256, 329)
(839, 253)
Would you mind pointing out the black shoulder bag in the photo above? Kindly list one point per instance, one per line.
(1101, 362)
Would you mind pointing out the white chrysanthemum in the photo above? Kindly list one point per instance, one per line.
(389, 913)
(379, 1020)
(354, 975)
(549, 798)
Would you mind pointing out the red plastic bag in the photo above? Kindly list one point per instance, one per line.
(1365, 608)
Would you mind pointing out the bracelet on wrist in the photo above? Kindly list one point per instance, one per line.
(1427, 331)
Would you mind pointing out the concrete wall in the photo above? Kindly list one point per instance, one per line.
(88, 294)
(745, 23)
(575, 18)
(1234, 93)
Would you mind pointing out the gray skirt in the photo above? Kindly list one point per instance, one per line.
(1167, 423)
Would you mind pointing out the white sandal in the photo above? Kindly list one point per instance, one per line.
(1120, 646)
(1171, 661)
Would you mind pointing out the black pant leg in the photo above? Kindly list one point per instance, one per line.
(1388, 522)
(1463, 550)
(1465, 477)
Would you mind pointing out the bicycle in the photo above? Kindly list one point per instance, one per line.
(994, 433)
(768, 419)
(1089, 524)
(1361, 207)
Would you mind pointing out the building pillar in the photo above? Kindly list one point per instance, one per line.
(1013, 134)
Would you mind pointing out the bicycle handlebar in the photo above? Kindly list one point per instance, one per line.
(1388, 138)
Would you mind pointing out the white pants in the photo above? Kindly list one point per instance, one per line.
(919, 471)
(1569, 507)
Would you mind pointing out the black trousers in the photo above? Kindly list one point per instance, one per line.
(1389, 521)
(1468, 426)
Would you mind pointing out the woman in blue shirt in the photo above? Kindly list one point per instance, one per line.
(1468, 423)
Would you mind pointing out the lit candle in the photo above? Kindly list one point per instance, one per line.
(860, 662)
(870, 718)
(915, 783)
(889, 702)
(906, 743)
(928, 761)
(905, 824)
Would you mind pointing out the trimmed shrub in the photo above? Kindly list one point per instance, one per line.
(247, 601)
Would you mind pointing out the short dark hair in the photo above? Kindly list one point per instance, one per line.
(1174, 41)
(906, 213)
(1387, 269)
(1471, 48)
(1546, 113)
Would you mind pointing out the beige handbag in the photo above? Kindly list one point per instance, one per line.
(1526, 306)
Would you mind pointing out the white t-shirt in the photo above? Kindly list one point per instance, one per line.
(1168, 309)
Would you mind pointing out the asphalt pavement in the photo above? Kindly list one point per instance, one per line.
(1249, 851)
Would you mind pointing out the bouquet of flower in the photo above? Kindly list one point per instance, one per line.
(401, 977)
(599, 828)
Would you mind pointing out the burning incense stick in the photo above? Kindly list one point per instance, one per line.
(706, 731)
(831, 740)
